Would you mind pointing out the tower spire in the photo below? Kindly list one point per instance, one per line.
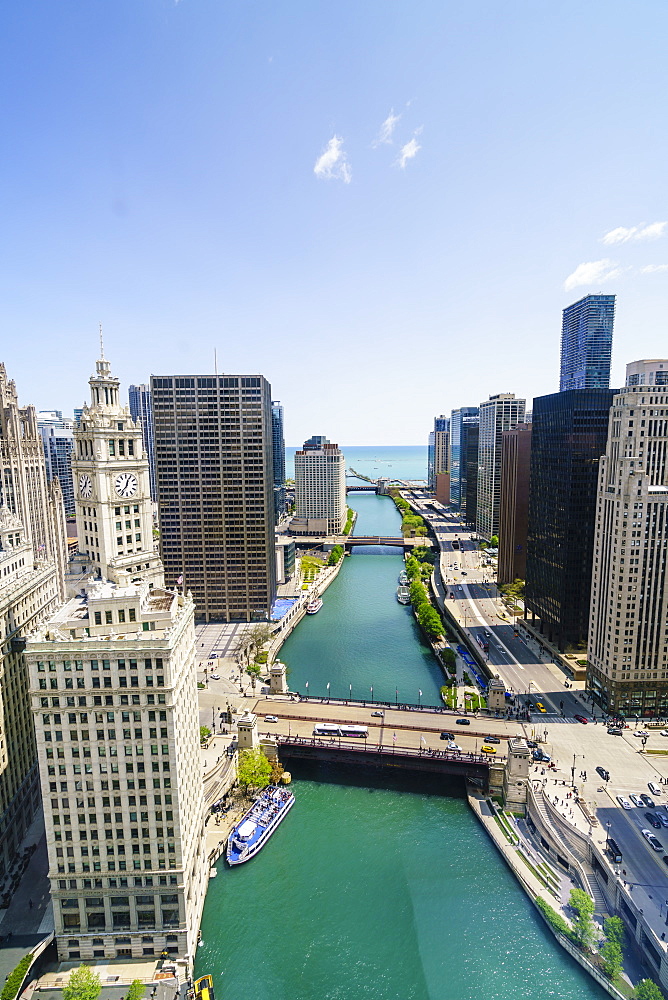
(101, 345)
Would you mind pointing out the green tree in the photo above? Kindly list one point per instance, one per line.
(449, 658)
(584, 929)
(494, 541)
(423, 554)
(614, 929)
(83, 984)
(254, 670)
(647, 990)
(254, 770)
(613, 961)
(430, 620)
(417, 593)
(412, 568)
(335, 555)
(136, 990)
(204, 733)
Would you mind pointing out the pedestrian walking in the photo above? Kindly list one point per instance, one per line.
(30, 904)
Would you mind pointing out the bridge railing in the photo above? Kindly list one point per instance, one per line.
(362, 745)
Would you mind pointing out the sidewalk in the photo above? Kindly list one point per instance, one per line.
(28, 924)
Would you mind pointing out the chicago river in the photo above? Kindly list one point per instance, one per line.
(376, 885)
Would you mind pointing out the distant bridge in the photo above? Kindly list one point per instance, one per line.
(335, 750)
(361, 489)
(407, 543)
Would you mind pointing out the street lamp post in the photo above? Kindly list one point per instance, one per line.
(575, 756)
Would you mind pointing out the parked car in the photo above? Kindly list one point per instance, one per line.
(651, 840)
(636, 800)
(624, 802)
(541, 757)
(653, 820)
(663, 817)
(654, 788)
(581, 718)
(462, 722)
(604, 774)
(649, 802)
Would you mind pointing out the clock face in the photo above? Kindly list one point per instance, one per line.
(126, 484)
(85, 487)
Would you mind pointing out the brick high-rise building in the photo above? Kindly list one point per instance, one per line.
(514, 511)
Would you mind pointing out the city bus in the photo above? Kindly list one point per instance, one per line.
(455, 543)
(327, 729)
(613, 851)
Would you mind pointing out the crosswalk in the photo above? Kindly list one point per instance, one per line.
(555, 718)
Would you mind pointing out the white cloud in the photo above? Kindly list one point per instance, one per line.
(592, 272)
(410, 150)
(384, 136)
(622, 234)
(653, 268)
(332, 164)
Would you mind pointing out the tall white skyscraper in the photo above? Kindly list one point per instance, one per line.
(320, 487)
(497, 414)
(628, 634)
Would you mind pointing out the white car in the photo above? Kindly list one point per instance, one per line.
(636, 800)
(214, 677)
(651, 840)
(270, 718)
(624, 803)
(640, 733)
(453, 746)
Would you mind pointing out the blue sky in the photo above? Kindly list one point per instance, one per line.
(209, 174)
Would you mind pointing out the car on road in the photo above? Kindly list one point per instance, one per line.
(648, 800)
(531, 744)
(604, 774)
(487, 749)
(214, 677)
(447, 736)
(614, 731)
(640, 733)
(653, 820)
(581, 718)
(378, 715)
(663, 818)
(492, 739)
(541, 757)
(540, 706)
(654, 788)
(487, 631)
(664, 732)
(636, 800)
(462, 722)
(624, 802)
(651, 840)
(455, 747)
(271, 718)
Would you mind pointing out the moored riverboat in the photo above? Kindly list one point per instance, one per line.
(257, 825)
(314, 606)
(403, 578)
(403, 595)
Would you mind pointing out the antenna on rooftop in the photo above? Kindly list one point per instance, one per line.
(215, 361)
(101, 344)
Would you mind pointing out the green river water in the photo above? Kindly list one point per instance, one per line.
(377, 885)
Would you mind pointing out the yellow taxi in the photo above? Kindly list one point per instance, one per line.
(487, 749)
(540, 706)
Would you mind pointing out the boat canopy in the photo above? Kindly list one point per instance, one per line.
(246, 829)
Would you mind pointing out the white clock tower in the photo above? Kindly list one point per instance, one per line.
(112, 488)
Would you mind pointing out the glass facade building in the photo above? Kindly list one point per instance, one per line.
(141, 409)
(461, 421)
(278, 440)
(58, 440)
(569, 435)
(586, 343)
(497, 414)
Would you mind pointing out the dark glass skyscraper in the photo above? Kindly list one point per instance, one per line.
(141, 410)
(569, 435)
(586, 343)
(461, 421)
(278, 439)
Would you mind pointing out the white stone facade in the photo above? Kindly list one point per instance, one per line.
(112, 488)
(320, 484)
(497, 414)
(113, 690)
(628, 629)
